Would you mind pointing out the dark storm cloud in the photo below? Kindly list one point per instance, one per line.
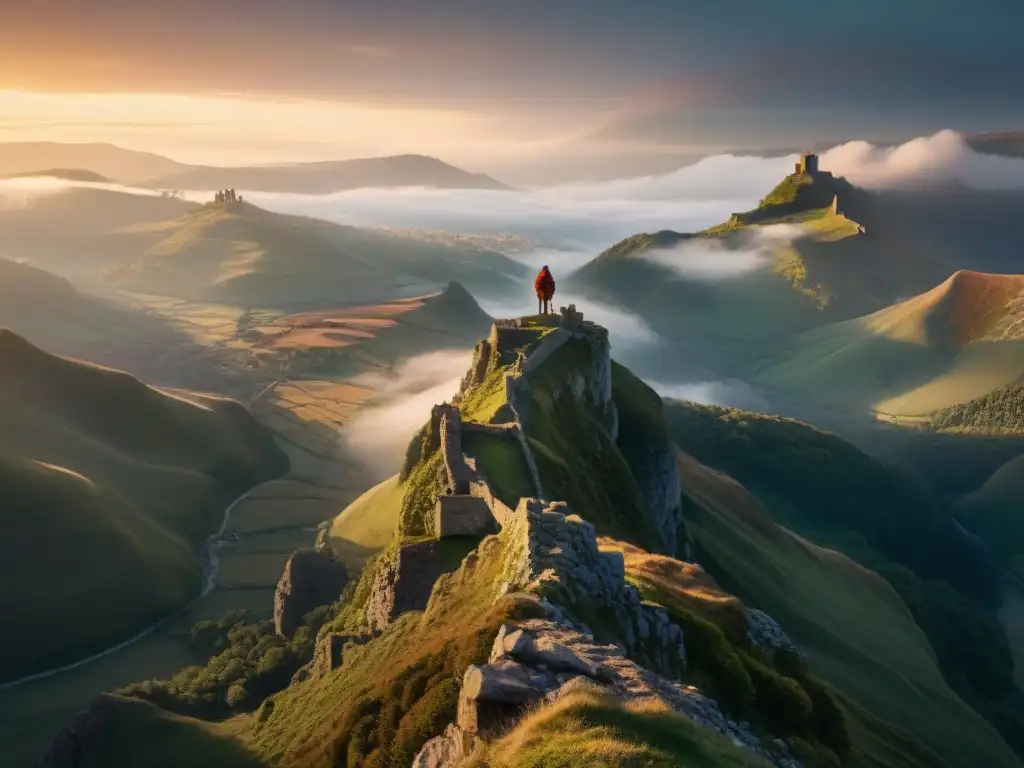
(925, 62)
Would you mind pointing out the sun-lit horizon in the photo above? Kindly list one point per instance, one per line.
(232, 129)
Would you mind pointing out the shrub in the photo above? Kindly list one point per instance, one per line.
(780, 700)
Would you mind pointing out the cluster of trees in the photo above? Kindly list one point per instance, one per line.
(1001, 411)
(227, 196)
(248, 661)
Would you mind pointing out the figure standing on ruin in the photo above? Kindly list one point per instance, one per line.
(544, 285)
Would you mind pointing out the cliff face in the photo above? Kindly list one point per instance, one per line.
(644, 442)
(310, 579)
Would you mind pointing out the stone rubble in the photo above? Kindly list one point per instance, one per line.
(540, 660)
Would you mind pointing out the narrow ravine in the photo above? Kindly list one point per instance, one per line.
(211, 571)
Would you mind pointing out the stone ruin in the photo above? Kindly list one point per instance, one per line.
(571, 318)
(457, 512)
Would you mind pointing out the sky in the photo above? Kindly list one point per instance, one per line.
(494, 85)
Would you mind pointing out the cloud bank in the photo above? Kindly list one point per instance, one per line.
(585, 218)
(379, 434)
(727, 393)
(711, 261)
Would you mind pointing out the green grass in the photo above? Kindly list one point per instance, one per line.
(576, 458)
(115, 485)
(503, 462)
(591, 730)
(252, 257)
(860, 636)
(400, 689)
(142, 732)
(367, 525)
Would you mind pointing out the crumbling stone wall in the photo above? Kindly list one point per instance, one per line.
(404, 583)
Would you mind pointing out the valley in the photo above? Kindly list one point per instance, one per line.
(516, 551)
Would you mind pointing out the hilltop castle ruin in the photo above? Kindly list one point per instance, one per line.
(808, 164)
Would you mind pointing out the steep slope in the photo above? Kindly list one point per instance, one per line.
(732, 293)
(238, 253)
(109, 487)
(949, 345)
(332, 176)
(995, 512)
(858, 633)
(883, 518)
(49, 312)
(497, 628)
(834, 263)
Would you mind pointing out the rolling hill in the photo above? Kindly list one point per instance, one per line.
(109, 489)
(51, 313)
(860, 636)
(241, 254)
(127, 166)
(960, 340)
(1005, 143)
(65, 174)
(849, 676)
(67, 230)
(352, 339)
(332, 176)
(730, 294)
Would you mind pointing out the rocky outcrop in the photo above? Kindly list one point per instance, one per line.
(657, 477)
(540, 659)
(404, 582)
(311, 578)
(80, 743)
(765, 633)
(554, 554)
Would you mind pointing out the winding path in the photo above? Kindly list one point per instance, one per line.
(211, 571)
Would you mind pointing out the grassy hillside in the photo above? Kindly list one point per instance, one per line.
(949, 345)
(348, 340)
(859, 634)
(886, 520)
(995, 513)
(331, 176)
(873, 692)
(49, 312)
(367, 525)
(65, 230)
(829, 266)
(110, 487)
(244, 255)
(1000, 412)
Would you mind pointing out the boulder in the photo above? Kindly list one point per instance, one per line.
(310, 579)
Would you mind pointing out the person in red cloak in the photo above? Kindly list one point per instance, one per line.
(544, 285)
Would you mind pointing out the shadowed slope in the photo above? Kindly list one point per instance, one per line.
(109, 487)
(858, 633)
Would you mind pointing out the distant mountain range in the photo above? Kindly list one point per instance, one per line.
(105, 162)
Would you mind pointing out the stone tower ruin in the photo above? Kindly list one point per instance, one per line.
(808, 163)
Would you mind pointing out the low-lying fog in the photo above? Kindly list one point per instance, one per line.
(575, 222)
